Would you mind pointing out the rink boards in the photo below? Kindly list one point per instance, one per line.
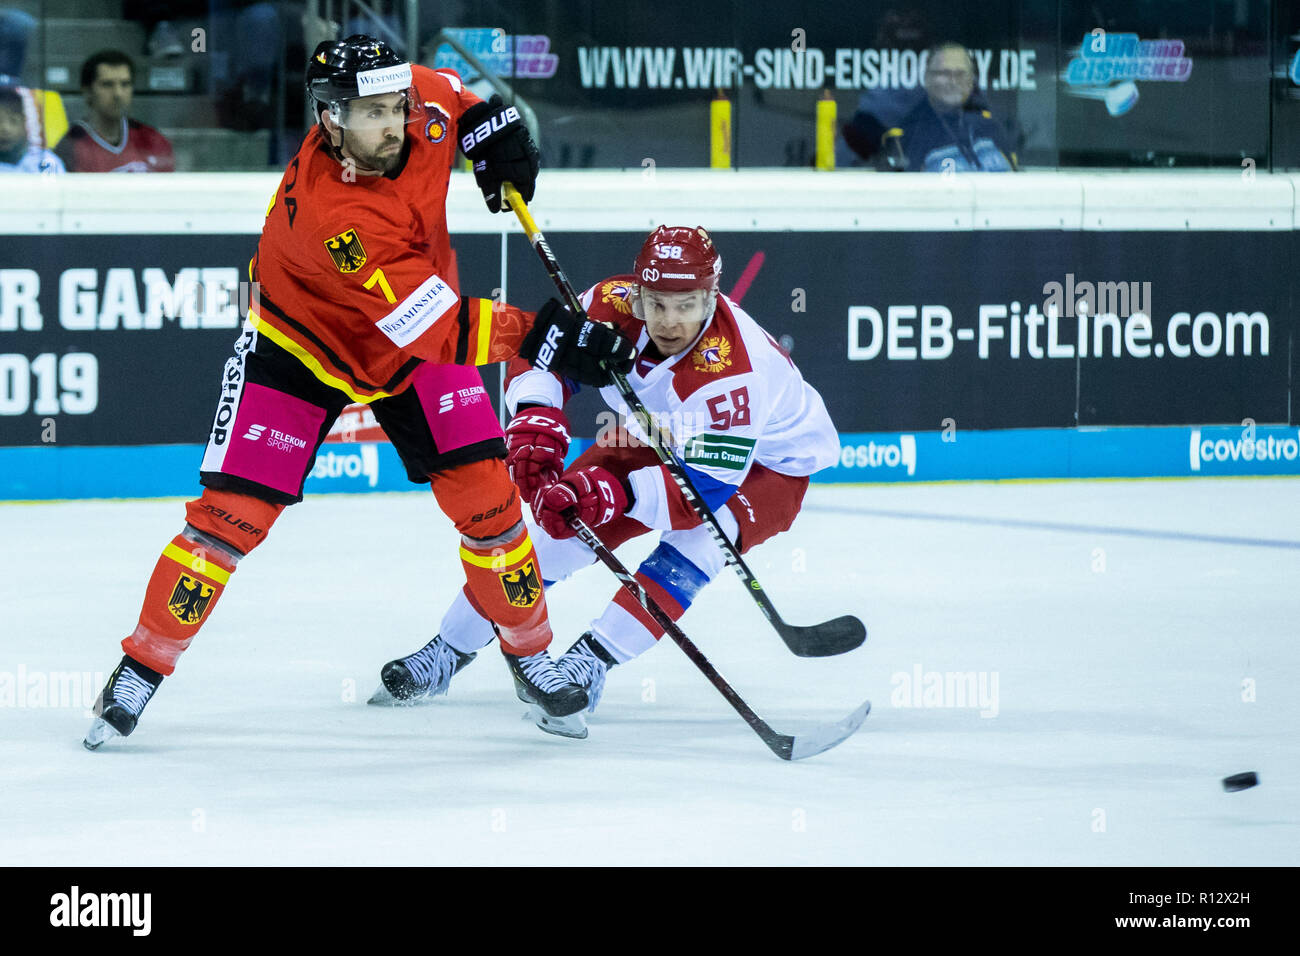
(145, 471)
(979, 327)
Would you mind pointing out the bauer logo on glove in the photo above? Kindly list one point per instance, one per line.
(579, 348)
(496, 141)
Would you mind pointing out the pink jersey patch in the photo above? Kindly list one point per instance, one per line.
(456, 405)
(273, 439)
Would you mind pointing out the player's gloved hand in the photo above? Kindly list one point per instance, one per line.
(537, 439)
(495, 139)
(575, 347)
(596, 494)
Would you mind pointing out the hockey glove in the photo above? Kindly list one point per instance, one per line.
(595, 494)
(558, 342)
(494, 138)
(537, 439)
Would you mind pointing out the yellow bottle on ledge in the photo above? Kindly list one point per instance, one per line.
(825, 132)
(720, 132)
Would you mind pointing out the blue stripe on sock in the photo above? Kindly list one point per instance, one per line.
(675, 573)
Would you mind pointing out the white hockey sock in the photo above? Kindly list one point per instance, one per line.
(463, 628)
(559, 559)
(619, 631)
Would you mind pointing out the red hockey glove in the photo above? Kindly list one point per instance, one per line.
(537, 439)
(597, 495)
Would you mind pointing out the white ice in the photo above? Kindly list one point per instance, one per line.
(1133, 671)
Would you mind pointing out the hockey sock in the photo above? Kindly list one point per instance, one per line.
(503, 577)
(221, 527)
(186, 583)
(464, 628)
(464, 625)
(502, 574)
(672, 580)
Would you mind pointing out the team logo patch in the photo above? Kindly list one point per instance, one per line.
(190, 599)
(346, 251)
(439, 122)
(712, 354)
(618, 294)
(522, 587)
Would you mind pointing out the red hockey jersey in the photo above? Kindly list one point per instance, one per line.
(355, 274)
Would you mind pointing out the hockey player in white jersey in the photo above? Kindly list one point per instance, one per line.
(732, 405)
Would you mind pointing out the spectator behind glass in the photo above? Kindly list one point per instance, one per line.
(17, 153)
(949, 130)
(107, 141)
(16, 28)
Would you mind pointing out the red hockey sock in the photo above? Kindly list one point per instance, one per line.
(186, 583)
(506, 586)
(503, 578)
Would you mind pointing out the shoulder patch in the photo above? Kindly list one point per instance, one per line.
(435, 131)
(346, 251)
(618, 294)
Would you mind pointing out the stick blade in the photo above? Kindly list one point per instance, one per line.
(824, 738)
(838, 636)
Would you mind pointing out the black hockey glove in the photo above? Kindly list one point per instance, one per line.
(494, 138)
(575, 347)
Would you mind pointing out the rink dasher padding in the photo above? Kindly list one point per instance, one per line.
(151, 471)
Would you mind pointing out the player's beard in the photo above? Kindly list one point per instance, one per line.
(381, 158)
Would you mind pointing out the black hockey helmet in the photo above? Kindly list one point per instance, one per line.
(355, 67)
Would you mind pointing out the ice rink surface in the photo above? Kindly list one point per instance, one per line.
(1134, 641)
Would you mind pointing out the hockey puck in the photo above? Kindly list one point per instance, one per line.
(1240, 781)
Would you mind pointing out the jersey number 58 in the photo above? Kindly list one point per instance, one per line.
(728, 410)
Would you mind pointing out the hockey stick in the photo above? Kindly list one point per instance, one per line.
(826, 639)
(785, 746)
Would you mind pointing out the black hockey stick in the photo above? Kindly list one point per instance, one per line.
(785, 746)
(837, 636)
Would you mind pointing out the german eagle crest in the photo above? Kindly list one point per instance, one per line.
(522, 586)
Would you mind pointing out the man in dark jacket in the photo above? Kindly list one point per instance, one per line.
(947, 131)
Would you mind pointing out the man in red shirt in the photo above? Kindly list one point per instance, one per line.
(352, 302)
(108, 141)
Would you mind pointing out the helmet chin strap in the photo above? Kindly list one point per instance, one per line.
(335, 151)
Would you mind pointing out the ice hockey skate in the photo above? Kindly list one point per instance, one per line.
(420, 677)
(552, 698)
(586, 663)
(121, 702)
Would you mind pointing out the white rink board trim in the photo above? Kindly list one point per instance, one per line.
(724, 201)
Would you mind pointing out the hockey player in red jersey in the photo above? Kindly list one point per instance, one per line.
(352, 302)
(732, 405)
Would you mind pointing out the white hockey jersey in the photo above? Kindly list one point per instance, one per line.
(731, 400)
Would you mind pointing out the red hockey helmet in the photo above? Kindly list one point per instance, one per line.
(678, 259)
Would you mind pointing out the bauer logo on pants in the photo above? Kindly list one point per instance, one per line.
(346, 251)
(190, 599)
(522, 587)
